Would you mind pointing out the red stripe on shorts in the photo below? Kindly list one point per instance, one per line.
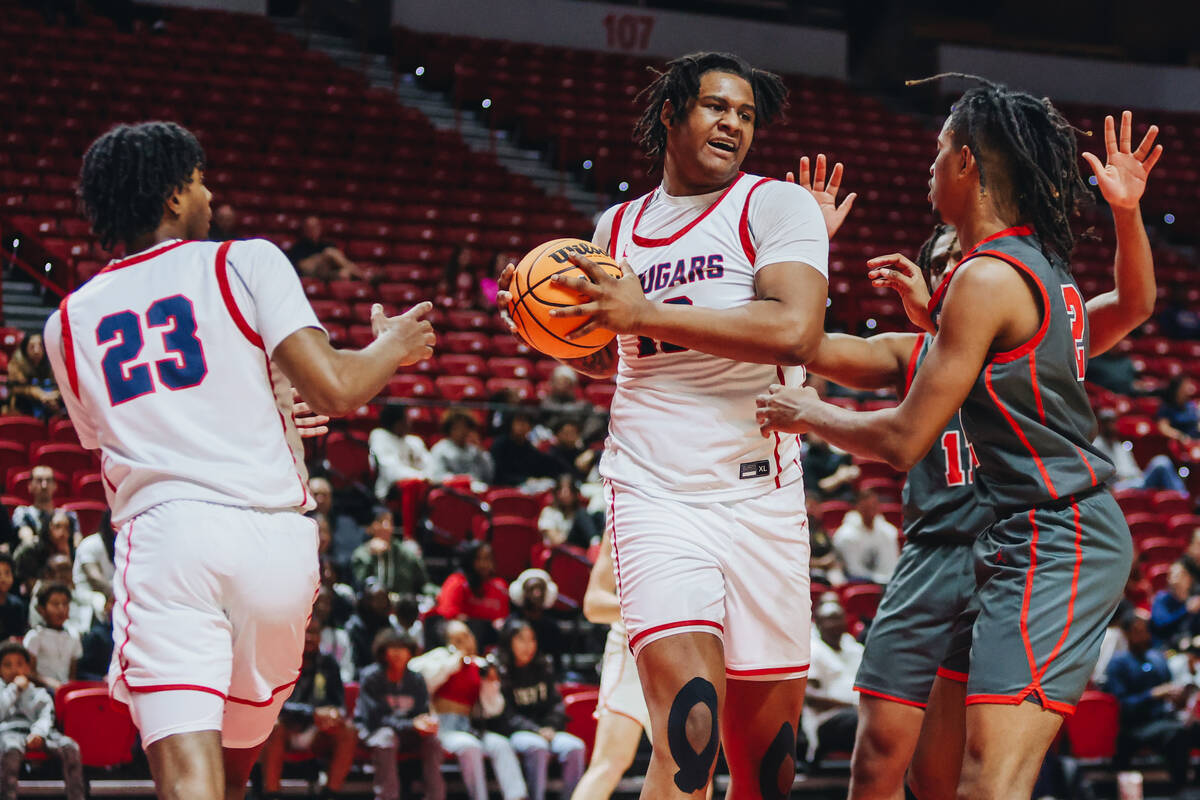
(686, 623)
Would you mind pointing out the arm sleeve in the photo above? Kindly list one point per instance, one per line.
(786, 225)
(53, 340)
(268, 291)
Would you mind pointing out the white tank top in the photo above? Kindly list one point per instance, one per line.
(682, 422)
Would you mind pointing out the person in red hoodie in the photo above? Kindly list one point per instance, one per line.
(474, 594)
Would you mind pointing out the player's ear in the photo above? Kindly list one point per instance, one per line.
(668, 111)
(174, 204)
(966, 159)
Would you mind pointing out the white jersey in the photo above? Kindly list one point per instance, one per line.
(682, 422)
(162, 359)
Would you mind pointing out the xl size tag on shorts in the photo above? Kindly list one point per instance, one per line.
(755, 469)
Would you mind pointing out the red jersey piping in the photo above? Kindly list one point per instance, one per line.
(146, 256)
(230, 303)
(643, 242)
(744, 224)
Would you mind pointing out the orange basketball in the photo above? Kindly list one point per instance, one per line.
(533, 295)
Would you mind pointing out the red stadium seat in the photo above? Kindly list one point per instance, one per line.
(460, 387)
(347, 459)
(406, 386)
(1092, 729)
(832, 512)
(1133, 501)
(1171, 503)
(506, 367)
(462, 364)
(513, 540)
(861, 600)
(581, 721)
(454, 517)
(506, 502)
(465, 342)
(1157, 575)
(88, 512)
(68, 458)
(103, 729)
(23, 430)
(1143, 526)
(522, 390)
(1181, 527)
(63, 431)
(12, 454)
(600, 393)
(89, 486)
(571, 571)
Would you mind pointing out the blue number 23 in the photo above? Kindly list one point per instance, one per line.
(185, 369)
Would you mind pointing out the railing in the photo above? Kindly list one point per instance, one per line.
(22, 251)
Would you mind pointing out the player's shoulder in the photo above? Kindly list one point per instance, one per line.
(258, 249)
(769, 193)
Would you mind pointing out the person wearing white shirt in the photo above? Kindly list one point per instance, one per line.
(831, 704)
(397, 454)
(868, 544)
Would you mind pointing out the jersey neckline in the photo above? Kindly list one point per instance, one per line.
(939, 293)
(145, 255)
(641, 241)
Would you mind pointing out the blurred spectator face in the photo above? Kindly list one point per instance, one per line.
(831, 623)
(57, 609)
(519, 428)
(565, 496)
(867, 506)
(460, 431)
(382, 527)
(225, 218)
(375, 600)
(12, 665)
(563, 383)
(328, 573)
(459, 636)
(311, 228)
(485, 567)
(323, 605)
(35, 351)
(42, 486)
(322, 493)
(1179, 581)
(60, 533)
(568, 434)
(1137, 634)
(6, 577)
(533, 594)
(397, 658)
(407, 611)
(1107, 422)
(524, 646)
(58, 569)
(312, 636)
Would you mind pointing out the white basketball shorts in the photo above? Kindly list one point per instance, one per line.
(211, 603)
(736, 569)
(620, 687)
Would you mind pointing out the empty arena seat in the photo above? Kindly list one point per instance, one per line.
(1144, 525)
(465, 342)
(67, 458)
(861, 600)
(404, 386)
(347, 459)
(88, 486)
(23, 430)
(1168, 503)
(103, 729)
(12, 455)
(522, 390)
(513, 540)
(453, 517)
(580, 708)
(62, 430)
(460, 387)
(1181, 527)
(509, 367)
(832, 513)
(506, 502)
(88, 512)
(462, 364)
(1092, 729)
(571, 571)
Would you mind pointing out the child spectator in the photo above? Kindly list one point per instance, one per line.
(55, 649)
(398, 455)
(312, 719)
(532, 594)
(459, 453)
(27, 723)
(474, 594)
(14, 619)
(534, 717)
(58, 570)
(392, 716)
(371, 617)
(566, 520)
(393, 563)
(31, 386)
(335, 642)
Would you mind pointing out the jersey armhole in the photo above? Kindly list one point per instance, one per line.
(222, 268)
(911, 370)
(616, 229)
(744, 233)
(1023, 269)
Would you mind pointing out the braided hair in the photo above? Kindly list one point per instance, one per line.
(681, 83)
(129, 173)
(1025, 148)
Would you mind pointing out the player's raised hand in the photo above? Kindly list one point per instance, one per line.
(786, 409)
(1122, 178)
(825, 192)
(309, 423)
(504, 297)
(902, 276)
(616, 304)
(413, 335)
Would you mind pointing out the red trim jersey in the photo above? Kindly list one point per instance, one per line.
(682, 422)
(162, 359)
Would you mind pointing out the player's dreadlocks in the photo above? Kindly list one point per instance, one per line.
(128, 174)
(1033, 149)
(681, 83)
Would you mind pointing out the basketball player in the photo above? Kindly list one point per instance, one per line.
(724, 279)
(164, 361)
(1011, 351)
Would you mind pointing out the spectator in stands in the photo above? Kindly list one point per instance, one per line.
(831, 704)
(534, 717)
(1114, 371)
(517, 460)
(97, 646)
(867, 543)
(57, 537)
(562, 401)
(473, 594)
(567, 520)
(31, 387)
(1179, 415)
(823, 563)
(370, 617)
(94, 567)
(314, 257)
(1160, 472)
(1179, 319)
(1113, 641)
(224, 224)
(827, 475)
(58, 570)
(408, 619)
(335, 642)
(532, 594)
(462, 282)
(568, 449)
(466, 693)
(395, 564)
(347, 533)
(27, 724)
(1185, 665)
(1142, 683)
(30, 520)
(312, 718)
(1191, 558)
(392, 716)
(344, 600)
(459, 452)
(397, 454)
(1175, 613)
(14, 616)
(55, 648)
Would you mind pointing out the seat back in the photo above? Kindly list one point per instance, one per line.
(103, 729)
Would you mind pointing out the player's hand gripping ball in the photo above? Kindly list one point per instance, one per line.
(534, 294)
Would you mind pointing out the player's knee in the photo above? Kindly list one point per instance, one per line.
(777, 770)
(692, 733)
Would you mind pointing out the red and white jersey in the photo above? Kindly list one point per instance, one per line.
(682, 422)
(162, 360)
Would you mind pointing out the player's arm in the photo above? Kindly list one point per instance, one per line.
(880, 362)
(1122, 181)
(981, 307)
(600, 603)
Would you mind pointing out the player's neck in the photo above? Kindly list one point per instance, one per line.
(165, 232)
(676, 185)
(979, 226)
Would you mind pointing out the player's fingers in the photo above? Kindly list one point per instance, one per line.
(835, 180)
(1094, 163)
(627, 269)
(589, 267)
(583, 330)
(312, 433)
(847, 204)
(1126, 131)
(1147, 143)
(819, 174)
(1110, 137)
(503, 298)
(508, 323)
(581, 310)
(1155, 154)
(581, 285)
(416, 312)
(804, 172)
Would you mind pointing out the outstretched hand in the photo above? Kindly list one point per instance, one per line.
(1122, 178)
(825, 192)
(896, 272)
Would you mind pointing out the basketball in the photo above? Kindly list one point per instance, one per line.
(534, 295)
